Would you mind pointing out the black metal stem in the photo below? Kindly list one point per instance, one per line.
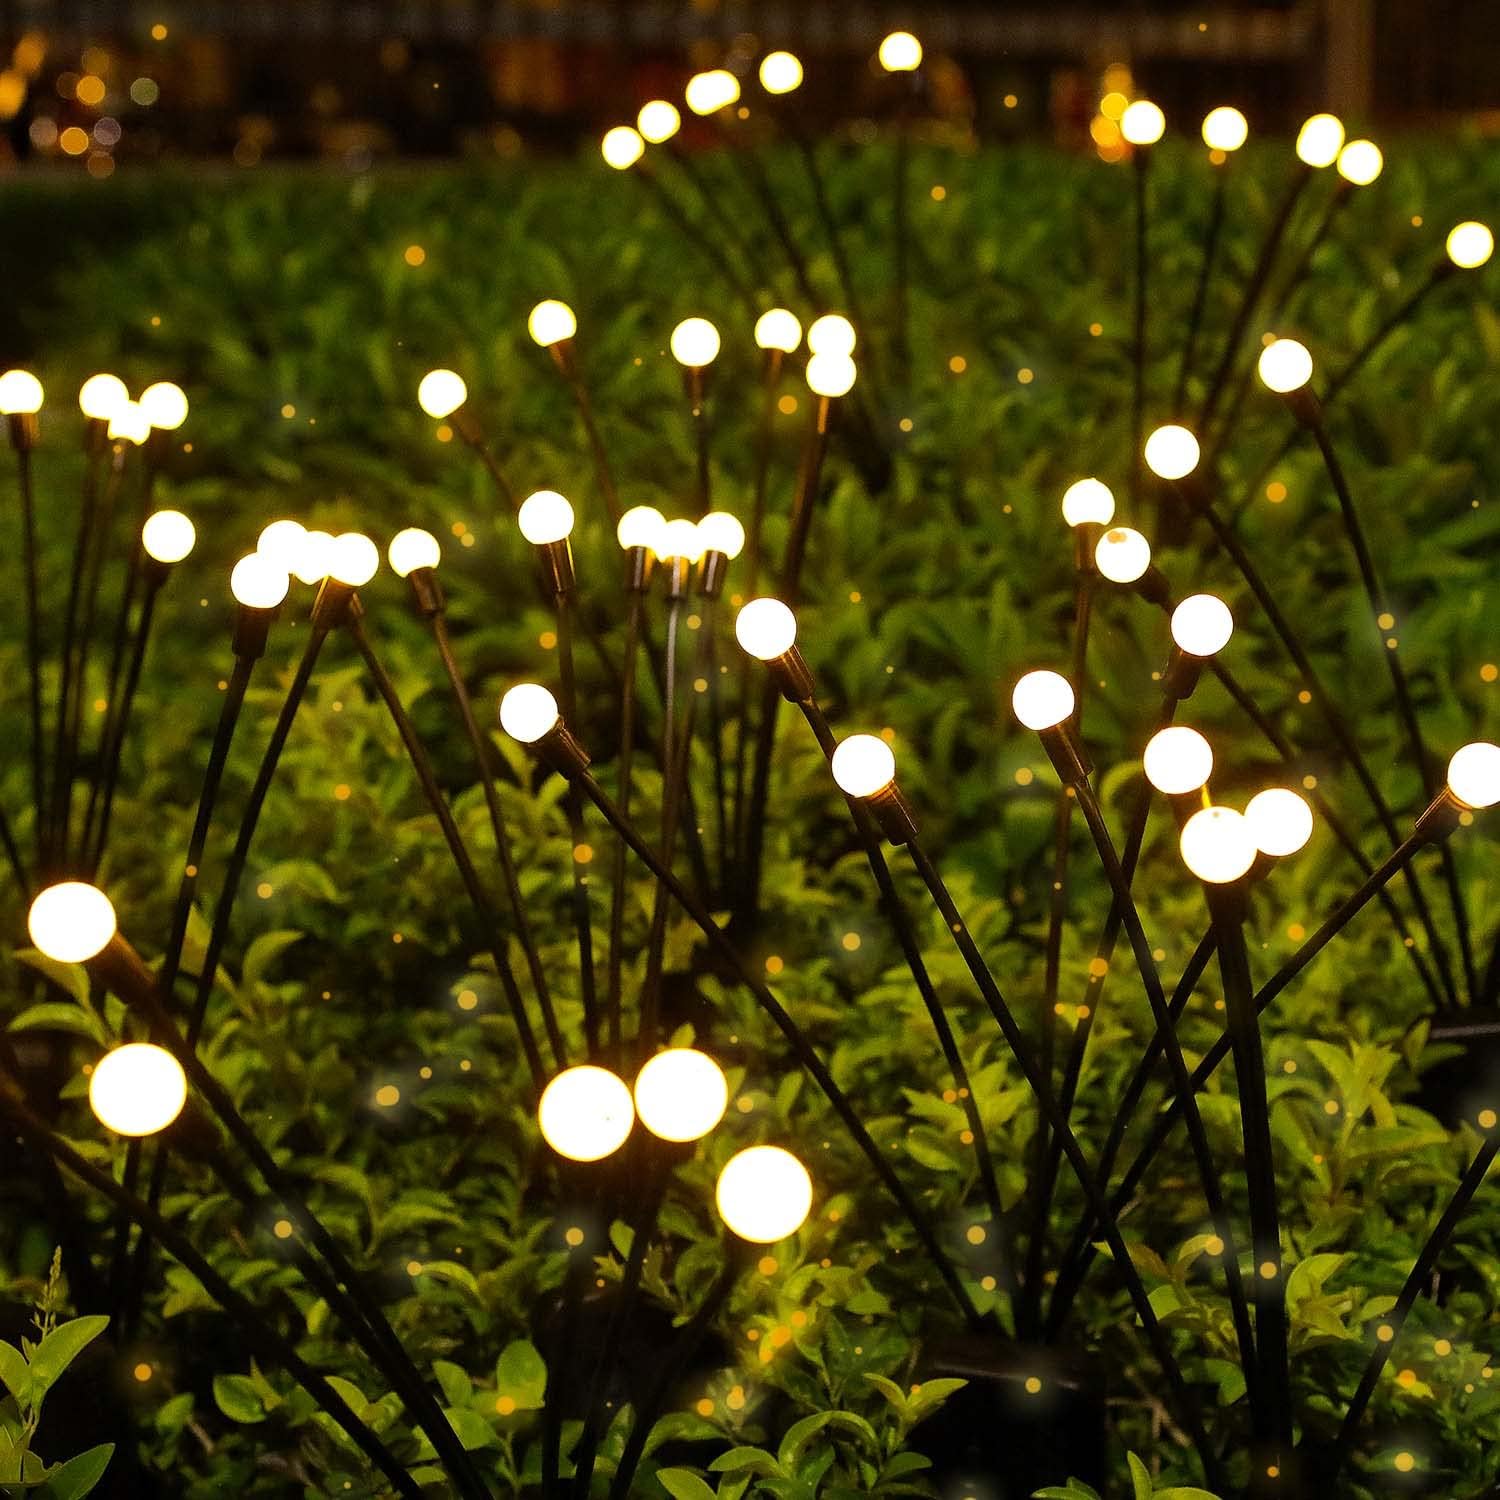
(30, 584)
(704, 244)
(13, 855)
(585, 405)
(1200, 290)
(1140, 175)
(902, 233)
(616, 954)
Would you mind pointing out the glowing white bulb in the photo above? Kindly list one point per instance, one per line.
(900, 52)
(681, 1094)
(1171, 452)
(659, 120)
(1280, 821)
(1320, 140)
(641, 526)
(1360, 162)
(707, 93)
(780, 72)
(1217, 845)
(101, 396)
(1202, 624)
(1178, 760)
(353, 559)
(1285, 365)
(130, 424)
(764, 1194)
(778, 329)
(314, 557)
(766, 628)
(831, 375)
(260, 581)
(695, 343)
(1122, 554)
(831, 334)
(1042, 700)
(1470, 245)
(719, 531)
(20, 393)
(1088, 500)
(545, 516)
(168, 536)
(282, 541)
(165, 405)
(863, 764)
(527, 712)
(682, 539)
(413, 548)
(1142, 123)
(71, 921)
(551, 322)
(441, 393)
(1473, 775)
(622, 147)
(1225, 128)
(137, 1089)
(586, 1113)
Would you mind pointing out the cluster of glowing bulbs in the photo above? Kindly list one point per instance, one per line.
(104, 398)
(645, 526)
(286, 549)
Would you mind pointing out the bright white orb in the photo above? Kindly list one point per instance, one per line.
(441, 393)
(622, 147)
(1473, 775)
(681, 1094)
(1217, 845)
(1178, 760)
(900, 52)
(413, 548)
(137, 1089)
(259, 581)
(168, 536)
(586, 1113)
(165, 405)
(527, 712)
(1122, 554)
(1225, 129)
(764, 1194)
(1171, 452)
(129, 423)
(551, 322)
(545, 516)
(1285, 365)
(659, 120)
(354, 559)
(314, 558)
(641, 526)
(20, 393)
(780, 72)
(695, 343)
(1202, 625)
(101, 396)
(831, 334)
(1088, 501)
(1042, 700)
(1320, 140)
(863, 764)
(707, 93)
(778, 329)
(282, 541)
(1142, 123)
(719, 531)
(682, 539)
(71, 921)
(1470, 244)
(766, 628)
(831, 374)
(1360, 162)
(1280, 820)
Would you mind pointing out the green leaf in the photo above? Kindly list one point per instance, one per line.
(237, 1398)
(1140, 1478)
(58, 1015)
(521, 1374)
(1184, 1492)
(60, 1348)
(455, 1383)
(13, 1373)
(473, 1431)
(683, 1484)
(755, 1460)
(72, 979)
(78, 1475)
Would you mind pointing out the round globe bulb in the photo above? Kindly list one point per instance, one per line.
(282, 542)
(1280, 821)
(1171, 452)
(622, 147)
(1202, 625)
(545, 516)
(766, 628)
(586, 1113)
(354, 559)
(719, 531)
(681, 1094)
(831, 375)
(780, 72)
(1088, 500)
(1320, 140)
(658, 121)
(863, 764)
(764, 1194)
(527, 712)
(706, 93)
(413, 548)
(314, 560)
(695, 343)
(551, 322)
(168, 536)
(130, 424)
(100, 396)
(1122, 555)
(259, 581)
(1178, 760)
(441, 393)
(681, 539)
(1470, 244)
(165, 405)
(900, 52)
(1473, 775)
(1285, 365)
(20, 393)
(1217, 845)
(778, 329)
(641, 526)
(71, 921)
(1143, 123)
(831, 334)
(1225, 129)
(1042, 700)
(137, 1089)
(1360, 162)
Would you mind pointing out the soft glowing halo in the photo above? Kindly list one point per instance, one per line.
(1469, 244)
(100, 396)
(129, 424)
(1202, 625)
(1473, 775)
(545, 516)
(695, 343)
(1088, 501)
(1042, 700)
(1122, 554)
(641, 526)
(20, 393)
(681, 1094)
(259, 581)
(71, 921)
(778, 329)
(682, 539)
(833, 333)
(780, 72)
(622, 147)
(1284, 366)
(1171, 452)
(314, 557)
(527, 712)
(1360, 162)
(900, 52)
(659, 120)
(1320, 140)
(765, 628)
(551, 322)
(282, 541)
(1178, 760)
(719, 531)
(1142, 123)
(1225, 129)
(764, 1194)
(1217, 845)
(137, 1089)
(863, 764)
(1280, 821)
(441, 393)
(165, 405)
(413, 548)
(831, 375)
(353, 559)
(586, 1113)
(168, 536)
(706, 93)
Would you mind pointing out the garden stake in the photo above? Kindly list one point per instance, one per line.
(635, 606)
(23, 434)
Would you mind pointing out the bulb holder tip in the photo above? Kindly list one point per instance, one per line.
(559, 751)
(640, 565)
(335, 603)
(1180, 679)
(557, 565)
(118, 967)
(563, 357)
(1303, 404)
(1440, 819)
(252, 628)
(711, 573)
(893, 815)
(427, 592)
(1066, 752)
(792, 676)
(24, 428)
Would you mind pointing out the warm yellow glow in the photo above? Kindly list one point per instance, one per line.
(353, 559)
(706, 93)
(681, 1094)
(1042, 700)
(1360, 162)
(780, 72)
(622, 147)
(314, 558)
(719, 531)
(165, 405)
(1473, 775)
(1470, 245)
(586, 1113)
(766, 628)
(527, 712)
(1320, 140)
(137, 1089)
(259, 581)
(1217, 845)
(1142, 123)
(1122, 554)
(764, 1194)
(71, 921)
(695, 343)
(641, 526)
(831, 374)
(682, 539)
(101, 396)
(900, 52)
(551, 322)
(129, 424)
(441, 393)
(1178, 760)
(1280, 820)
(1225, 128)
(778, 329)
(168, 536)
(1088, 501)
(863, 764)
(545, 516)
(1285, 365)
(413, 548)
(1171, 452)
(20, 392)
(659, 120)
(282, 541)
(1202, 624)
(831, 334)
